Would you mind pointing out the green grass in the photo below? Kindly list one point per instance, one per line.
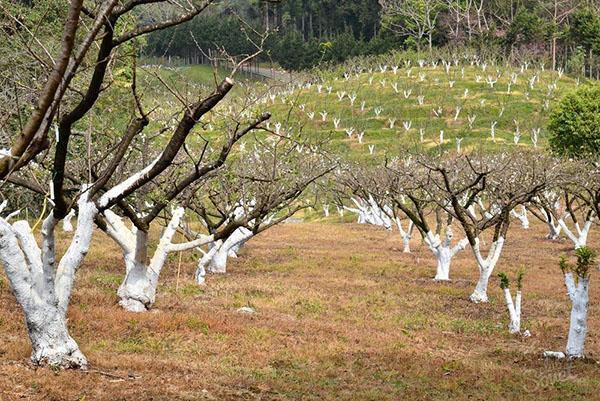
(528, 107)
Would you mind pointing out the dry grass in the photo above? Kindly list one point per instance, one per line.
(342, 314)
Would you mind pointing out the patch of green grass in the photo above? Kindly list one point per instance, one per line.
(463, 326)
(191, 290)
(260, 334)
(196, 324)
(106, 280)
(308, 307)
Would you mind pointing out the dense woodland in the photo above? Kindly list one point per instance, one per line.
(304, 33)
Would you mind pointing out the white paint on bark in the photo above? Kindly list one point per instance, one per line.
(579, 295)
(486, 267)
(514, 311)
(521, 216)
(579, 237)
(67, 225)
(137, 292)
(444, 252)
(30, 272)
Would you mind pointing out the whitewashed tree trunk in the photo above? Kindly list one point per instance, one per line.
(218, 262)
(579, 295)
(406, 235)
(522, 216)
(579, 238)
(137, 292)
(360, 213)
(486, 267)
(444, 252)
(514, 311)
(67, 225)
(200, 275)
(554, 229)
(42, 292)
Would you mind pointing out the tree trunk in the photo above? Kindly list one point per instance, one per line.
(31, 275)
(50, 340)
(444, 260)
(514, 311)
(137, 292)
(486, 267)
(480, 292)
(578, 323)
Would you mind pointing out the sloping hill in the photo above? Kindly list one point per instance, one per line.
(475, 106)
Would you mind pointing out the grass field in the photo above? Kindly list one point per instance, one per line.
(427, 98)
(341, 314)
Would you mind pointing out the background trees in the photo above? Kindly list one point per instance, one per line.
(558, 33)
(575, 123)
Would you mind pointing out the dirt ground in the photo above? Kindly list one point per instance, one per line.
(341, 314)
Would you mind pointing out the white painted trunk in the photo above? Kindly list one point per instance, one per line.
(137, 292)
(200, 275)
(480, 292)
(579, 237)
(405, 235)
(31, 275)
(514, 311)
(522, 216)
(218, 262)
(444, 252)
(76, 252)
(406, 243)
(50, 340)
(553, 231)
(444, 260)
(486, 267)
(578, 323)
(67, 225)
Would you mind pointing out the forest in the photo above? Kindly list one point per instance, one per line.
(304, 33)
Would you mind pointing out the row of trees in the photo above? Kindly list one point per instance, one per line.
(147, 163)
(480, 196)
(559, 31)
(216, 159)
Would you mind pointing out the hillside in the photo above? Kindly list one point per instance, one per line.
(479, 106)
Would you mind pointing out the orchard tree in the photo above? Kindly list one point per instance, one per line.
(481, 191)
(73, 71)
(260, 189)
(577, 283)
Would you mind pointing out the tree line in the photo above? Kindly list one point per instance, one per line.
(304, 33)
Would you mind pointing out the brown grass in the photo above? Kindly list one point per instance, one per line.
(342, 314)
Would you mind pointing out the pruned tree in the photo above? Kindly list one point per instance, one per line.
(261, 189)
(138, 290)
(399, 189)
(92, 36)
(577, 283)
(480, 192)
(514, 308)
(573, 203)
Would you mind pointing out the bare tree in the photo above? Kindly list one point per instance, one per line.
(43, 291)
(414, 18)
(480, 192)
(262, 189)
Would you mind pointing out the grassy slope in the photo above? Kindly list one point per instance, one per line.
(342, 314)
(523, 104)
